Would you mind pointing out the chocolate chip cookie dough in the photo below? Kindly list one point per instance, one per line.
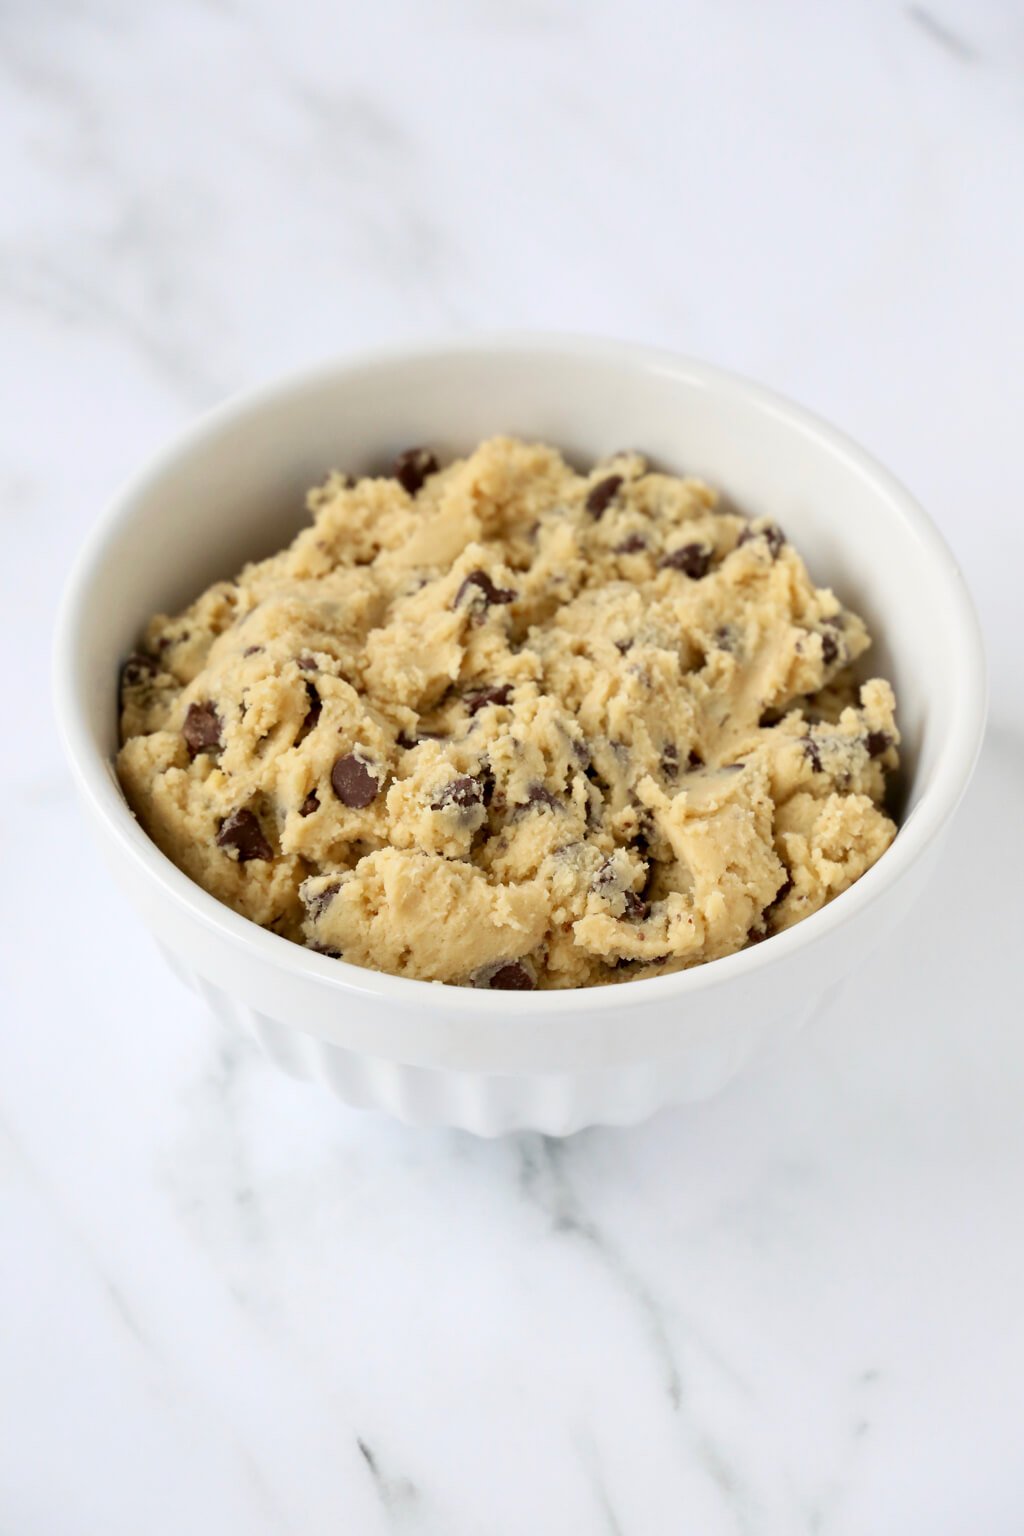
(508, 725)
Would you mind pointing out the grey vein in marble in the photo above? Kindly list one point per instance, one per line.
(943, 34)
(543, 1179)
(398, 1495)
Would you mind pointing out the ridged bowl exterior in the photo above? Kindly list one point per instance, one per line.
(494, 1104)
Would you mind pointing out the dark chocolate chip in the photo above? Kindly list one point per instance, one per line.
(325, 949)
(837, 621)
(243, 832)
(670, 760)
(693, 560)
(602, 494)
(306, 664)
(513, 977)
(486, 588)
(139, 668)
(877, 742)
(315, 706)
(604, 875)
(631, 544)
(766, 929)
(772, 535)
(538, 795)
(636, 908)
(829, 649)
(813, 753)
(353, 783)
(407, 742)
(477, 701)
(623, 646)
(310, 804)
(775, 539)
(252, 650)
(694, 759)
(463, 792)
(202, 729)
(317, 905)
(412, 467)
(725, 638)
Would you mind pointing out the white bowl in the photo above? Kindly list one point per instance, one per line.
(232, 489)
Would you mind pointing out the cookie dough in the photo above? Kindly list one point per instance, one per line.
(509, 725)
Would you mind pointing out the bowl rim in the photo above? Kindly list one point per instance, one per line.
(966, 697)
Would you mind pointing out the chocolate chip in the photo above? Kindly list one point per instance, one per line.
(315, 707)
(670, 760)
(766, 929)
(513, 977)
(623, 646)
(636, 908)
(325, 949)
(813, 753)
(631, 544)
(317, 904)
(485, 586)
(772, 535)
(463, 792)
(538, 795)
(306, 664)
(202, 729)
(829, 649)
(407, 742)
(310, 804)
(693, 560)
(353, 783)
(837, 621)
(694, 759)
(412, 467)
(602, 494)
(877, 742)
(477, 701)
(253, 650)
(725, 638)
(139, 668)
(243, 832)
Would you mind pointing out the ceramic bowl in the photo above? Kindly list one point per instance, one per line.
(232, 489)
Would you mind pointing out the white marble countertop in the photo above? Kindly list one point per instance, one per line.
(226, 1303)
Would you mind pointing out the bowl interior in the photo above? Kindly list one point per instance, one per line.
(234, 489)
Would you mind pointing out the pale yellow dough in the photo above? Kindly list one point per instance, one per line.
(591, 731)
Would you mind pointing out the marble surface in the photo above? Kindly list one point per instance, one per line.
(228, 1304)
